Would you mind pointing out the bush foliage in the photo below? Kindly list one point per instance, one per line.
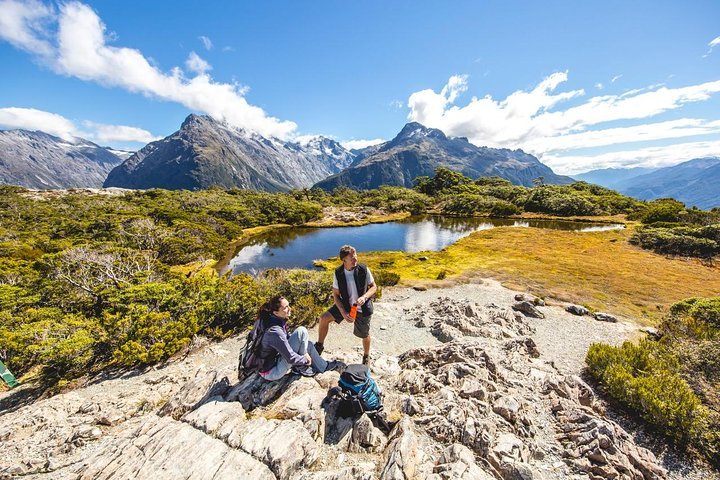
(671, 229)
(89, 280)
(672, 383)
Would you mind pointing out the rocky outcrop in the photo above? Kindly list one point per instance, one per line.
(482, 405)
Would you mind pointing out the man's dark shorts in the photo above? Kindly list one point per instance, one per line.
(361, 326)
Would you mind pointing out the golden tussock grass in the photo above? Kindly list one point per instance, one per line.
(600, 270)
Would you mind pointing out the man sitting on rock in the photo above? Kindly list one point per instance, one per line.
(353, 289)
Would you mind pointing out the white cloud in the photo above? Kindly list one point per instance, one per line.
(599, 86)
(23, 25)
(55, 124)
(119, 133)
(196, 64)
(486, 121)
(686, 127)
(32, 119)
(651, 157)
(713, 43)
(524, 118)
(207, 43)
(396, 104)
(615, 78)
(357, 144)
(536, 122)
(81, 51)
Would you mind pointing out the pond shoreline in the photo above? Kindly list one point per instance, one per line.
(300, 246)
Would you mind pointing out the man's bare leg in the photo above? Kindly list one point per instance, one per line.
(366, 345)
(325, 320)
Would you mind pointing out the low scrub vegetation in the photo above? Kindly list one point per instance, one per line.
(88, 281)
(673, 384)
(670, 228)
(460, 195)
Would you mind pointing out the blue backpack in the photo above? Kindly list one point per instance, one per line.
(360, 390)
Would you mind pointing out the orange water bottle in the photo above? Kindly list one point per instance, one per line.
(353, 311)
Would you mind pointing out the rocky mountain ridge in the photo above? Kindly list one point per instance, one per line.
(483, 402)
(418, 150)
(40, 160)
(206, 153)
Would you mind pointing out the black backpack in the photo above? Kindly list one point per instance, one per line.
(250, 361)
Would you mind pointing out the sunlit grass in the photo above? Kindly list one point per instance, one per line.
(600, 270)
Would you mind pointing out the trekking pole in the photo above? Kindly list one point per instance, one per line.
(7, 376)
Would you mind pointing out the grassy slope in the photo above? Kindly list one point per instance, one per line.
(600, 270)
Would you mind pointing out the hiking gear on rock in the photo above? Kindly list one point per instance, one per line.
(359, 389)
(250, 360)
(7, 377)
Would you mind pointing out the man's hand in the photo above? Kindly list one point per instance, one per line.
(361, 301)
(348, 318)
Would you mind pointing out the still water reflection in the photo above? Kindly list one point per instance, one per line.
(298, 247)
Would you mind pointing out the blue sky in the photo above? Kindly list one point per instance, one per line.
(581, 85)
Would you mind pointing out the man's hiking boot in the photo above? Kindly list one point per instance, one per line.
(319, 347)
(306, 371)
(366, 360)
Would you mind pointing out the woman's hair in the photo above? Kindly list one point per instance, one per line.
(272, 305)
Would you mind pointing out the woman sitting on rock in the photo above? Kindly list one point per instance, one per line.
(282, 353)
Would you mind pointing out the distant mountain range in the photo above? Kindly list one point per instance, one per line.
(615, 178)
(206, 153)
(418, 150)
(40, 160)
(695, 182)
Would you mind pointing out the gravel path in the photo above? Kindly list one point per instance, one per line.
(561, 337)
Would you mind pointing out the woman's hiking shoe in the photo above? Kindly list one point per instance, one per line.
(336, 365)
(306, 371)
(319, 347)
(366, 360)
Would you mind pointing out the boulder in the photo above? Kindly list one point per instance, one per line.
(402, 452)
(528, 309)
(195, 392)
(577, 310)
(458, 462)
(526, 297)
(604, 317)
(366, 437)
(162, 448)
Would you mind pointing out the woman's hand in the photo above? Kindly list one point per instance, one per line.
(309, 358)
